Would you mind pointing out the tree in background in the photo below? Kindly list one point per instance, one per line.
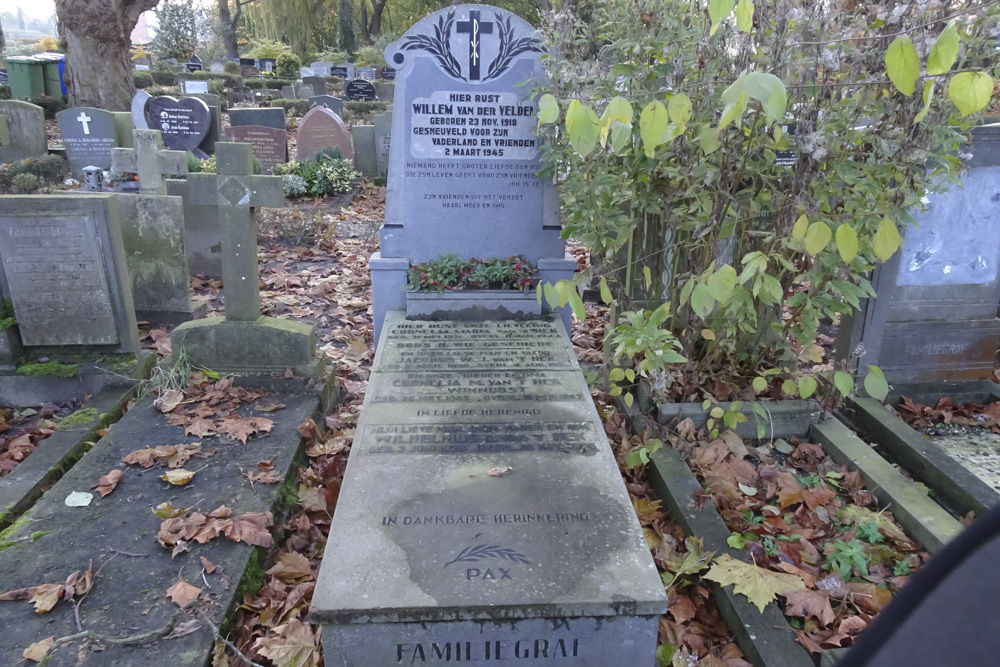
(347, 39)
(305, 25)
(177, 34)
(228, 21)
(372, 26)
(96, 37)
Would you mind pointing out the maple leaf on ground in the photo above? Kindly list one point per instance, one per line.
(37, 651)
(169, 400)
(759, 585)
(291, 568)
(293, 643)
(807, 604)
(330, 447)
(200, 428)
(251, 528)
(183, 454)
(241, 428)
(183, 593)
(46, 596)
(647, 510)
(147, 457)
(270, 477)
(312, 499)
(107, 484)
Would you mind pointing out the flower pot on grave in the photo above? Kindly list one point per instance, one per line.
(10, 348)
(472, 305)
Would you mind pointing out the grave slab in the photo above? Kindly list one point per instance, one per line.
(545, 563)
(129, 595)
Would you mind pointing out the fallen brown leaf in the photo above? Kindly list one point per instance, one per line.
(107, 484)
(37, 651)
(183, 593)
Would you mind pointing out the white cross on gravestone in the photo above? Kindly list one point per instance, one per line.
(85, 121)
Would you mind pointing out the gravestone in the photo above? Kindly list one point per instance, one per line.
(138, 109)
(192, 86)
(305, 71)
(359, 90)
(388, 73)
(317, 83)
(334, 104)
(303, 91)
(366, 73)
(266, 116)
(465, 158)
(244, 341)
(249, 71)
(217, 67)
(365, 160)
(934, 319)
(288, 92)
(65, 272)
(183, 123)
(384, 90)
(194, 65)
(321, 128)
(214, 135)
(343, 70)
(153, 232)
(270, 145)
(88, 134)
(22, 131)
(268, 64)
(321, 68)
(383, 136)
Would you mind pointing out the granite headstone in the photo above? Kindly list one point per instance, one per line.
(22, 131)
(184, 123)
(383, 137)
(288, 92)
(192, 86)
(319, 129)
(365, 160)
(317, 83)
(343, 70)
(270, 145)
(214, 135)
(266, 116)
(366, 73)
(334, 104)
(321, 68)
(359, 90)
(388, 73)
(88, 134)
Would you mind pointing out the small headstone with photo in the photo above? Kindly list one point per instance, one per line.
(269, 144)
(360, 90)
(184, 123)
(319, 129)
(334, 104)
(22, 131)
(88, 134)
(366, 73)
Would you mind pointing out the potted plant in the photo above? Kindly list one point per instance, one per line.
(454, 288)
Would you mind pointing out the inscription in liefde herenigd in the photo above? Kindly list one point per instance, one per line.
(510, 437)
(55, 270)
(478, 387)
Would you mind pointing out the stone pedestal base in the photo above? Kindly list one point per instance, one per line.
(266, 347)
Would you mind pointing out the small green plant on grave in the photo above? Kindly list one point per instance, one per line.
(8, 320)
(327, 177)
(451, 272)
(639, 456)
(51, 368)
(846, 558)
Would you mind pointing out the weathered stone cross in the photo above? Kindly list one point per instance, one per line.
(150, 160)
(237, 193)
(85, 121)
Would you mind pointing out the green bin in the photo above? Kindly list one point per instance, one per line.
(53, 82)
(27, 77)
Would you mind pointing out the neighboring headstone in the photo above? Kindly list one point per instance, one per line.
(123, 128)
(193, 67)
(270, 145)
(305, 71)
(366, 73)
(183, 123)
(142, 68)
(365, 160)
(359, 90)
(288, 92)
(244, 341)
(383, 136)
(319, 129)
(145, 62)
(172, 62)
(334, 104)
(317, 83)
(321, 68)
(303, 91)
(65, 271)
(266, 116)
(192, 86)
(23, 131)
(138, 109)
(214, 103)
(343, 70)
(464, 161)
(934, 319)
(385, 90)
(388, 73)
(88, 134)
(153, 232)
(217, 67)
(249, 71)
(267, 64)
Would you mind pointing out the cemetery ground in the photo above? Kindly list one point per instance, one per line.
(814, 523)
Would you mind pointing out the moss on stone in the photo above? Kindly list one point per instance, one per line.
(9, 532)
(78, 418)
(48, 369)
(7, 318)
(38, 534)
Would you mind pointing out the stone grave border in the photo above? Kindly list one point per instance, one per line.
(765, 638)
(957, 487)
(786, 417)
(60, 451)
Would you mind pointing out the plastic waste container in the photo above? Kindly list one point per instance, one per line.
(52, 68)
(27, 76)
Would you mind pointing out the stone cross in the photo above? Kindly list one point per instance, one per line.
(150, 160)
(236, 193)
(85, 121)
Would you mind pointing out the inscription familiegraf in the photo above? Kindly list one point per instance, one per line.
(490, 438)
(489, 650)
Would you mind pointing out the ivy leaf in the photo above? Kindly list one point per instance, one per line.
(679, 108)
(583, 127)
(721, 283)
(807, 386)
(928, 96)
(759, 384)
(970, 91)
(902, 64)
(817, 237)
(702, 300)
(652, 125)
(944, 51)
(718, 10)
(759, 585)
(886, 239)
(876, 384)
(605, 291)
(799, 230)
(548, 110)
(844, 383)
(744, 15)
(847, 243)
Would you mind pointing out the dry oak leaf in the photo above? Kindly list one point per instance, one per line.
(183, 593)
(291, 568)
(37, 651)
(293, 643)
(251, 528)
(241, 428)
(178, 477)
(107, 484)
(809, 603)
(46, 596)
(759, 585)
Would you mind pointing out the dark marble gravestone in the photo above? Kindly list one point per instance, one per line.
(343, 70)
(334, 104)
(88, 134)
(183, 123)
(934, 319)
(268, 117)
(359, 90)
(269, 144)
(388, 74)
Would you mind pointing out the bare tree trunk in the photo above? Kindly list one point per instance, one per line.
(229, 28)
(375, 25)
(96, 36)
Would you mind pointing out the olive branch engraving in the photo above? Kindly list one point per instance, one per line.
(482, 551)
(510, 49)
(438, 45)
